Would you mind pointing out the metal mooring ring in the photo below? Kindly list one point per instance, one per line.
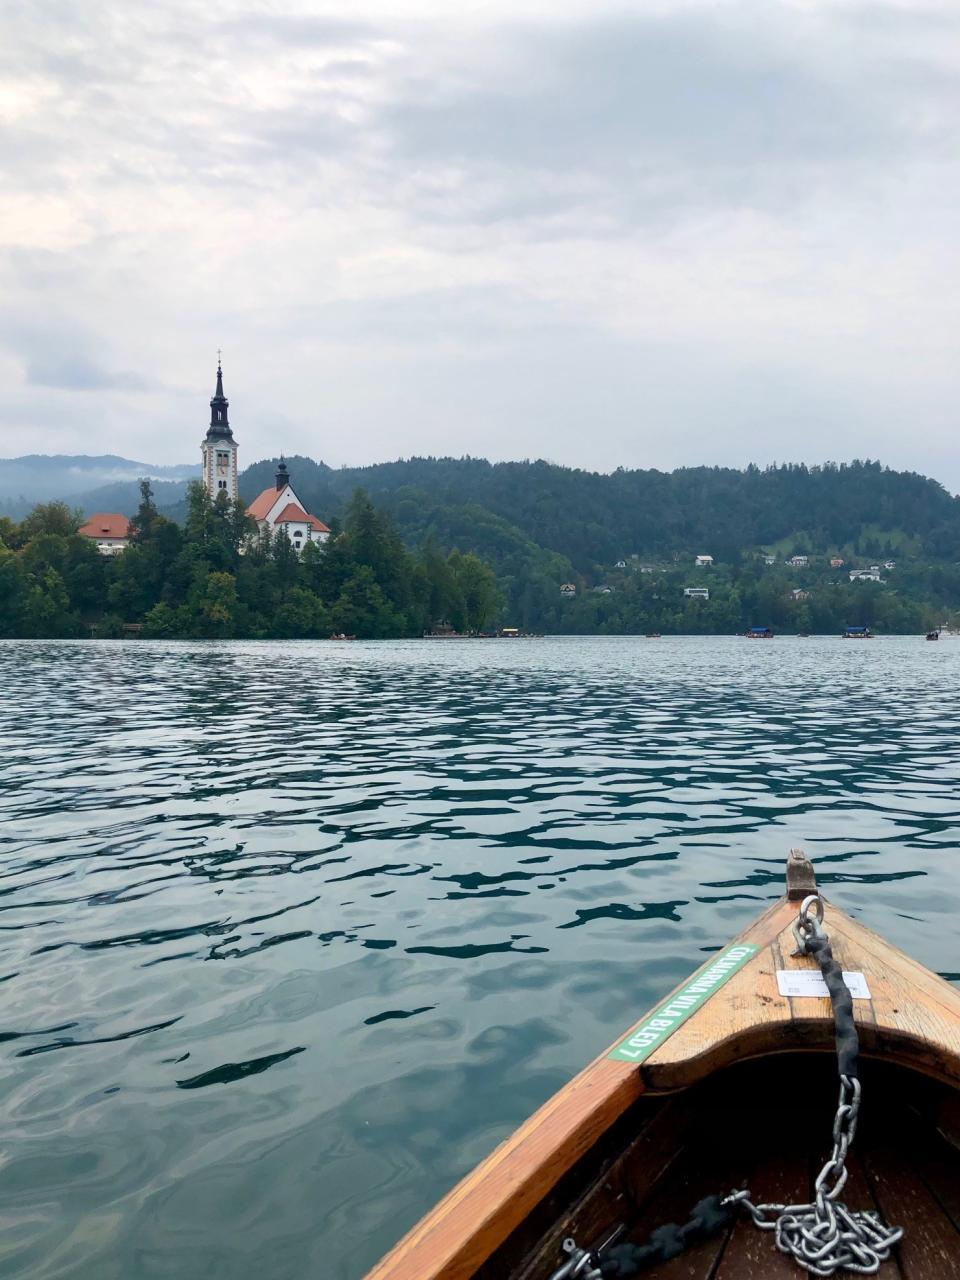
(815, 900)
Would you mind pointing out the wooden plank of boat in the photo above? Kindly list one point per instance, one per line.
(730, 1010)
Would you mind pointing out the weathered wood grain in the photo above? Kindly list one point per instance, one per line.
(930, 1248)
(781, 1177)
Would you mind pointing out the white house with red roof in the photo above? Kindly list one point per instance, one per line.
(279, 509)
(110, 531)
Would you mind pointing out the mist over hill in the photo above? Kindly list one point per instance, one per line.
(104, 483)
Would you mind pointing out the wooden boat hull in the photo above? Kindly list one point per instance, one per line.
(501, 1222)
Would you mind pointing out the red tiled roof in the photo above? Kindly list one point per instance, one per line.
(317, 525)
(292, 514)
(259, 507)
(106, 524)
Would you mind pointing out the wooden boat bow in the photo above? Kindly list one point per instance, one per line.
(912, 1018)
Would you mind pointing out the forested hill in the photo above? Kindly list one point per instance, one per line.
(878, 548)
(594, 520)
(540, 525)
(590, 519)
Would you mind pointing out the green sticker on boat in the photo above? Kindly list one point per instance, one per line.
(674, 1011)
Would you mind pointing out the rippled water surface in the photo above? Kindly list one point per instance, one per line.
(294, 933)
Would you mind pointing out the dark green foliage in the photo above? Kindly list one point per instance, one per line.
(218, 579)
(469, 544)
(537, 525)
(50, 518)
(597, 519)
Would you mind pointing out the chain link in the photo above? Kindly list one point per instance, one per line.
(580, 1263)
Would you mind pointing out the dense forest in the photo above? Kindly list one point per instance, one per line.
(473, 544)
(215, 577)
(598, 519)
(539, 525)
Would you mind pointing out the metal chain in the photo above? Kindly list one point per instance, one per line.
(823, 1236)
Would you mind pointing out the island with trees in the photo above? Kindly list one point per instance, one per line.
(471, 545)
(215, 577)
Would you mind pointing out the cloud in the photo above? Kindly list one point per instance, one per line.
(681, 233)
(78, 373)
(54, 352)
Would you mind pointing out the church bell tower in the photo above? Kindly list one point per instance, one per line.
(219, 449)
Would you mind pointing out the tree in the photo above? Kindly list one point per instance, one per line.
(285, 563)
(215, 605)
(164, 623)
(141, 526)
(302, 616)
(13, 595)
(47, 613)
(54, 518)
(362, 610)
(478, 589)
(9, 533)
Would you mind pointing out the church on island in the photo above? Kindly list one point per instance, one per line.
(277, 508)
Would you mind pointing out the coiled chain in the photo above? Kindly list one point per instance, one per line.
(825, 1236)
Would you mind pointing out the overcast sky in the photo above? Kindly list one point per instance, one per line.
(646, 234)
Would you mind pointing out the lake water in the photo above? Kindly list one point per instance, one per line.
(294, 933)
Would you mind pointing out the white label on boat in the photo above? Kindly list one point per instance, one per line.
(808, 982)
(669, 1015)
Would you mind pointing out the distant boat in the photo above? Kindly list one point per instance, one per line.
(340, 635)
(803, 635)
(653, 635)
(932, 635)
(759, 633)
(857, 633)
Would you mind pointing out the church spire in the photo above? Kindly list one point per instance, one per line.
(219, 422)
